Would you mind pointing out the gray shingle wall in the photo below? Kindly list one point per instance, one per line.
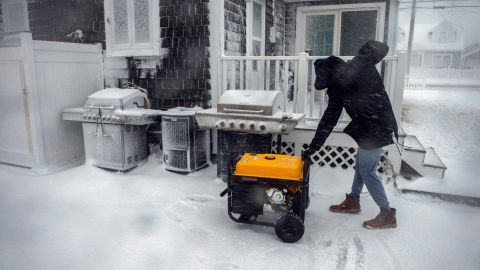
(1, 17)
(235, 27)
(181, 77)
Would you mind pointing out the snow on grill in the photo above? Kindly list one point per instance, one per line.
(114, 127)
(250, 111)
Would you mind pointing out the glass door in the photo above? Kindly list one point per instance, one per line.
(340, 32)
(320, 38)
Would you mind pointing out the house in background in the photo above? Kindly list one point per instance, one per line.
(434, 45)
(188, 52)
(471, 57)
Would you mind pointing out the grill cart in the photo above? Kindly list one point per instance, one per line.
(263, 181)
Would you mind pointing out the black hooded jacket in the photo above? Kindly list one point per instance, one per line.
(356, 86)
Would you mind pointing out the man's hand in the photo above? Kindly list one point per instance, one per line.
(307, 153)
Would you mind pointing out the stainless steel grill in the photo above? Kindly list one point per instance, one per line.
(185, 145)
(250, 111)
(114, 127)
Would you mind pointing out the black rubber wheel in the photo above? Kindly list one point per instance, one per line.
(289, 228)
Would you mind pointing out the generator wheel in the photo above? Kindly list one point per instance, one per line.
(289, 228)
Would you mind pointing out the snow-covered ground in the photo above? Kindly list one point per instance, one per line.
(447, 119)
(149, 218)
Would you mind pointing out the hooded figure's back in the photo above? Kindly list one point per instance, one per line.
(358, 87)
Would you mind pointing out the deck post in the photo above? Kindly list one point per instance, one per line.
(302, 78)
(399, 85)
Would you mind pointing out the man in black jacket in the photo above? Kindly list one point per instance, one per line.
(357, 87)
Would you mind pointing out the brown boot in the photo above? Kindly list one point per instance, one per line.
(350, 205)
(385, 219)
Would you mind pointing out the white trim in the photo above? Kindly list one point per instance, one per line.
(133, 49)
(302, 12)
(216, 47)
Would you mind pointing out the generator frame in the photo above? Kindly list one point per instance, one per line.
(265, 182)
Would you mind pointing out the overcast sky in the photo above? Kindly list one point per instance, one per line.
(467, 18)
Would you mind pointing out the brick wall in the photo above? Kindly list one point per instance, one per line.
(291, 16)
(181, 77)
(53, 20)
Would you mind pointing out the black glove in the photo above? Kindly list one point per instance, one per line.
(307, 153)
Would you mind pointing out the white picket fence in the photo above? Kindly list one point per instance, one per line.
(419, 78)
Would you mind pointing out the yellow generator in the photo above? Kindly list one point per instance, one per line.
(277, 184)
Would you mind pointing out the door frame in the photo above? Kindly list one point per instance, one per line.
(303, 12)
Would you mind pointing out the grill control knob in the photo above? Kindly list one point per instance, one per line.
(262, 126)
(108, 117)
(220, 124)
(242, 125)
(283, 128)
(231, 124)
(84, 116)
(252, 125)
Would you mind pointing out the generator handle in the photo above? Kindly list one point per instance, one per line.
(224, 192)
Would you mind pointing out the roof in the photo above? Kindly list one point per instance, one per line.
(422, 42)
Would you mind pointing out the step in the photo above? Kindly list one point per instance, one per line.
(432, 159)
(411, 143)
(423, 160)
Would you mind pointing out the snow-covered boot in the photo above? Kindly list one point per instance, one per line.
(351, 205)
(385, 219)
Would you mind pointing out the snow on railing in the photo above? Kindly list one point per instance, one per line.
(294, 76)
(446, 73)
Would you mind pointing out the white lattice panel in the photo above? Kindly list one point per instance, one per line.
(288, 148)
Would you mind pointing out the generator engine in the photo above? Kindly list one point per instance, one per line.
(276, 196)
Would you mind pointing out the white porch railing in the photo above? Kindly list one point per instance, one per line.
(294, 76)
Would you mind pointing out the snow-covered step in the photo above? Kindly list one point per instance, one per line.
(414, 153)
(424, 161)
(432, 164)
(411, 143)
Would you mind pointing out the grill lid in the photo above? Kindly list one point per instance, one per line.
(116, 98)
(257, 102)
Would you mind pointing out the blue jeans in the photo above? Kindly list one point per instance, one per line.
(365, 173)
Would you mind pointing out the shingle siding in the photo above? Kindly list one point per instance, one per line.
(181, 77)
(236, 27)
(1, 18)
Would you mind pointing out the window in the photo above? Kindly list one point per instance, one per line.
(15, 15)
(338, 29)
(441, 60)
(132, 27)
(443, 37)
(416, 60)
